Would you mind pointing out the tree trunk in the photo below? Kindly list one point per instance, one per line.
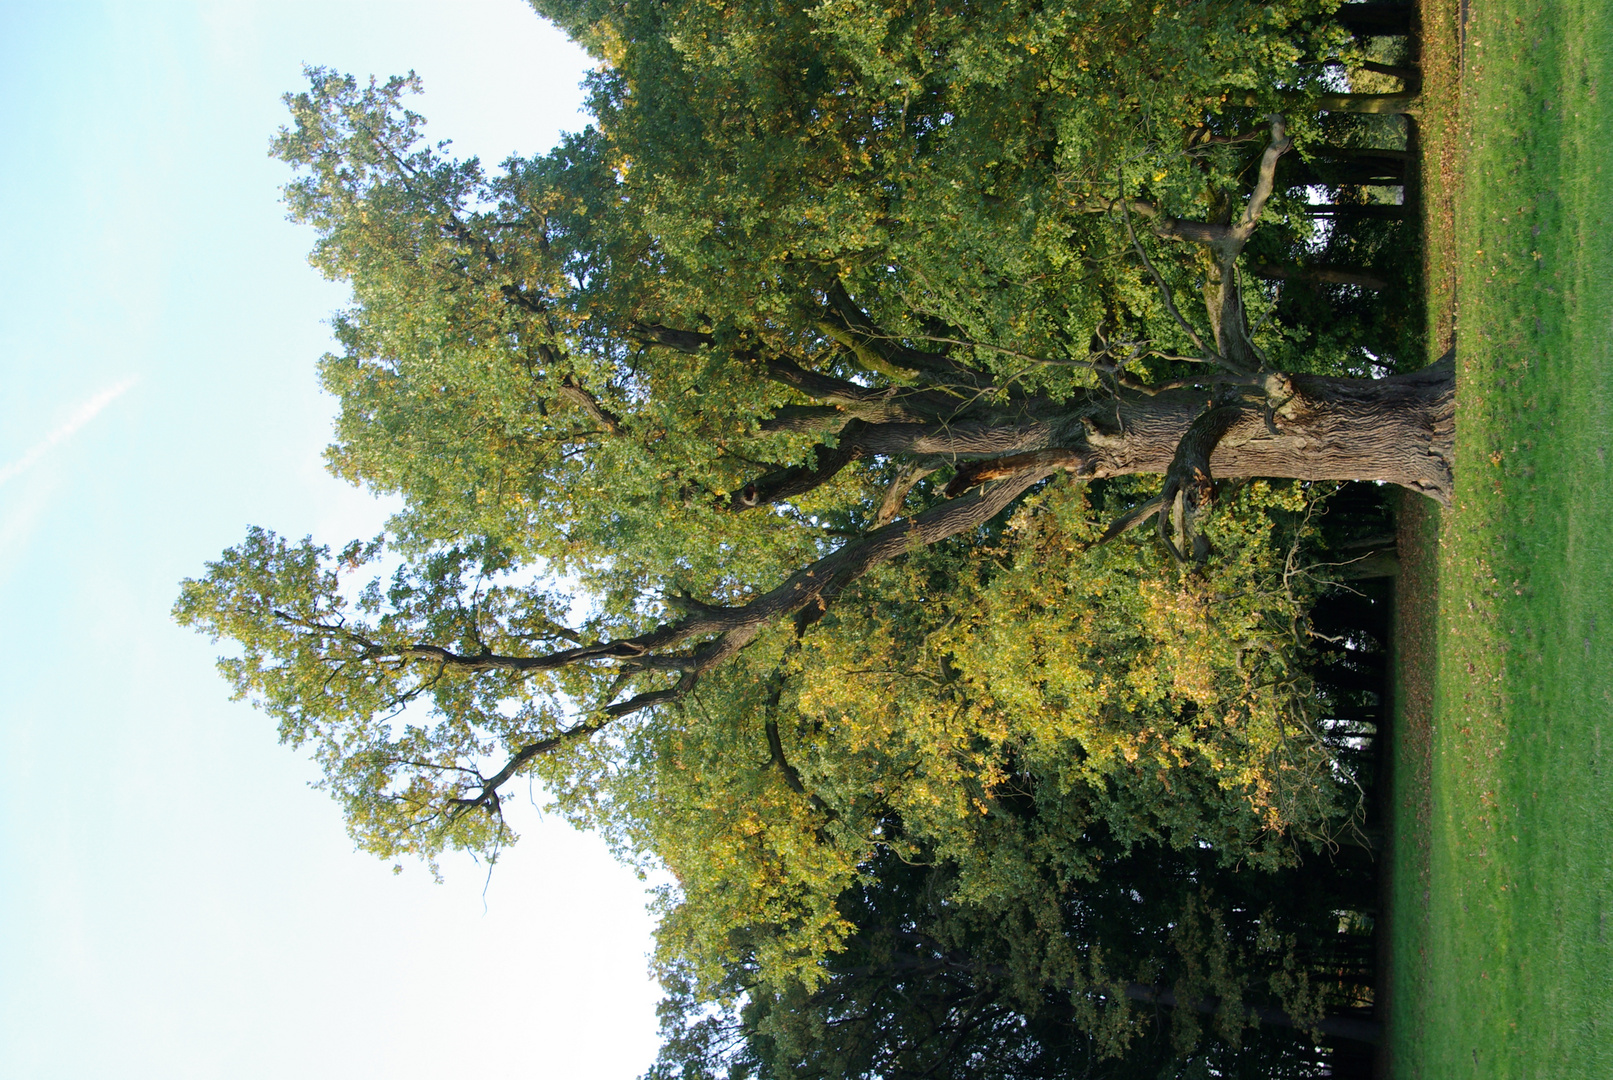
(1397, 430)
(1321, 275)
(1369, 20)
(1403, 102)
(1360, 211)
(1377, 169)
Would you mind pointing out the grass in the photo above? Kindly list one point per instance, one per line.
(1408, 888)
(1501, 956)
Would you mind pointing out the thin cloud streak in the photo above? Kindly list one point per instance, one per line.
(81, 416)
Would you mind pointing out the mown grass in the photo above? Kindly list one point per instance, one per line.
(1404, 981)
(1505, 966)
(1405, 955)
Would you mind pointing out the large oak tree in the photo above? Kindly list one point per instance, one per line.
(758, 447)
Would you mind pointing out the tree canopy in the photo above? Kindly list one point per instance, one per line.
(770, 455)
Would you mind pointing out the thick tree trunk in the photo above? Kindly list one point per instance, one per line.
(1397, 430)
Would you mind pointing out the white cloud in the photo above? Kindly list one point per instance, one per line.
(66, 430)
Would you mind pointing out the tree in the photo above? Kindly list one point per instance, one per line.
(818, 358)
(1181, 960)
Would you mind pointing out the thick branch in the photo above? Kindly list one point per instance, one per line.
(1222, 294)
(1131, 519)
(572, 391)
(684, 341)
(804, 419)
(1188, 489)
(1079, 462)
(775, 747)
(1265, 181)
(879, 351)
(989, 434)
(788, 483)
(1159, 222)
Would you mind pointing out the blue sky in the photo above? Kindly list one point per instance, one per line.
(174, 900)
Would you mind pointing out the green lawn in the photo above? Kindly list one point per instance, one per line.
(1504, 966)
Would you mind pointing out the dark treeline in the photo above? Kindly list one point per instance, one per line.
(1191, 967)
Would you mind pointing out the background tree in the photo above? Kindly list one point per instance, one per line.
(1181, 964)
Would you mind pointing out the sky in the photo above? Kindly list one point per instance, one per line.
(175, 901)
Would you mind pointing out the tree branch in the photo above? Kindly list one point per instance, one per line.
(1188, 483)
(979, 472)
(803, 419)
(1160, 223)
(890, 507)
(787, 483)
(729, 629)
(879, 351)
(1265, 182)
(572, 391)
(1170, 298)
(1130, 520)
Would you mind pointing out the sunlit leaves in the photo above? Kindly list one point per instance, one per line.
(338, 662)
